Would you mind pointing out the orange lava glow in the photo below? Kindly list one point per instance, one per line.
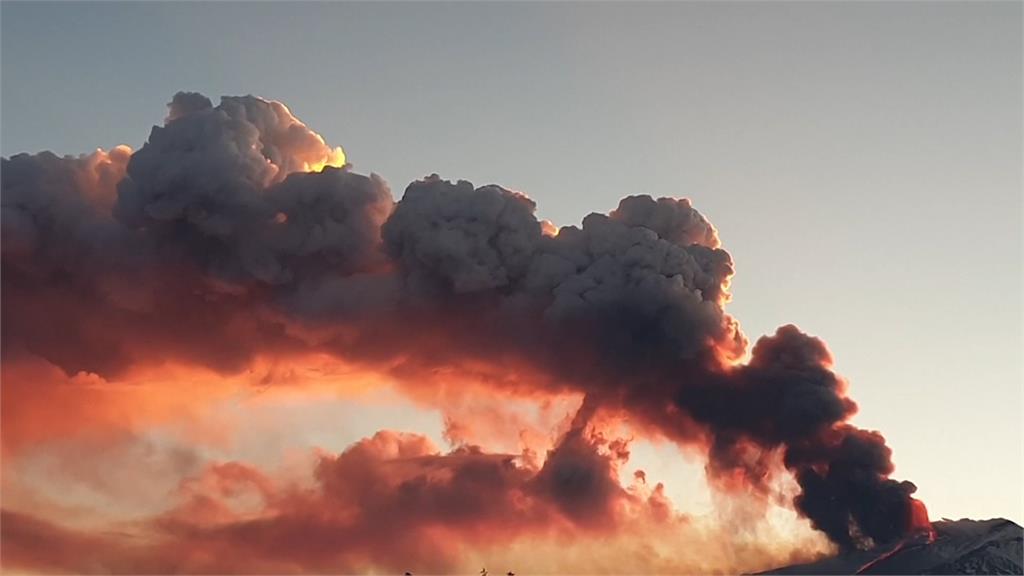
(921, 532)
(919, 522)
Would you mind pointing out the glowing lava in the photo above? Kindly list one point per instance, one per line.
(920, 533)
(919, 522)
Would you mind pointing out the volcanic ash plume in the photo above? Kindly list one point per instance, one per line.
(235, 232)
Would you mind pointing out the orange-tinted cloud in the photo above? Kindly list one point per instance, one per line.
(394, 502)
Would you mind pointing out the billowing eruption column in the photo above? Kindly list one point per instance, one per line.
(235, 232)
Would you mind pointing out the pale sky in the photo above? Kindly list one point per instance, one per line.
(861, 161)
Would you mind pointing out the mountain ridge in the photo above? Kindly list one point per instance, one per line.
(994, 546)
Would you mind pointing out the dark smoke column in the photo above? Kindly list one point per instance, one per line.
(629, 309)
(787, 397)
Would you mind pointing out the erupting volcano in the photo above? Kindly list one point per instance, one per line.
(919, 522)
(232, 238)
(947, 547)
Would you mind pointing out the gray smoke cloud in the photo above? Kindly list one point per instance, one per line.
(227, 185)
(229, 227)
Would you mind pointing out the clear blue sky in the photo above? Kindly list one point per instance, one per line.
(862, 161)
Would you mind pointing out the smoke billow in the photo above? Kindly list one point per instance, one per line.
(236, 232)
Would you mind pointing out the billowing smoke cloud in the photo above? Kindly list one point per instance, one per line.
(235, 232)
(391, 501)
(394, 502)
(212, 183)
